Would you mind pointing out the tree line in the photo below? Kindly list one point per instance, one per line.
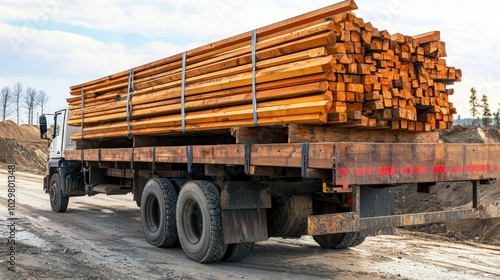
(13, 100)
(480, 110)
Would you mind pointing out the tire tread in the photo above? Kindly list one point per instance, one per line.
(237, 252)
(216, 248)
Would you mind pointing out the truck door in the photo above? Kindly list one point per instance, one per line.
(56, 147)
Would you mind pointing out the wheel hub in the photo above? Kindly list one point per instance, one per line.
(53, 193)
(193, 221)
(153, 215)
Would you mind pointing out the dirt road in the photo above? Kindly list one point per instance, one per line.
(101, 238)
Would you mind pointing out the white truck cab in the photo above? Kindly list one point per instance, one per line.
(61, 181)
(61, 134)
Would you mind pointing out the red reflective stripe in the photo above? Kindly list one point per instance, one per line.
(343, 171)
(364, 171)
(457, 168)
(421, 170)
(387, 170)
(476, 168)
(409, 170)
(414, 169)
(439, 169)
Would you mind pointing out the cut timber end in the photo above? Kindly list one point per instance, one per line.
(427, 37)
(309, 133)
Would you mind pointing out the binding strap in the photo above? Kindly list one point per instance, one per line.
(131, 89)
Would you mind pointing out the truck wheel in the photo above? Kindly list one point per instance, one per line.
(178, 183)
(58, 201)
(237, 252)
(339, 240)
(158, 204)
(359, 240)
(199, 217)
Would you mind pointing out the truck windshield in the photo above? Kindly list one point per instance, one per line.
(57, 124)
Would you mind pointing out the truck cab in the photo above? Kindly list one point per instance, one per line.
(61, 133)
(61, 181)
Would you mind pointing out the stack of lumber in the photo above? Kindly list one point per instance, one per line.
(340, 71)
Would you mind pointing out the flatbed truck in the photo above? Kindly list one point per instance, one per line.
(217, 195)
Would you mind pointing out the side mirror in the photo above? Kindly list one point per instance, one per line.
(43, 126)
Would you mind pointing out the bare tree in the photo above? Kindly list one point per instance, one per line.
(43, 99)
(30, 102)
(5, 99)
(17, 93)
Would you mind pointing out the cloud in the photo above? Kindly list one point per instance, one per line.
(55, 60)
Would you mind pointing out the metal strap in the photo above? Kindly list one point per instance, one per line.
(83, 163)
(247, 158)
(305, 159)
(132, 158)
(189, 157)
(83, 107)
(183, 91)
(131, 89)
(99, 156)
(254, 79)
(153, 166)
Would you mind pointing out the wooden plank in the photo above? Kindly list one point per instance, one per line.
(309, 133)
(427, 37)
(369, 79)
(344, 6)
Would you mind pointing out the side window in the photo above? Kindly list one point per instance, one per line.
(58, 120)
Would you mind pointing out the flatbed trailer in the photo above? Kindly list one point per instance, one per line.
(218, 199)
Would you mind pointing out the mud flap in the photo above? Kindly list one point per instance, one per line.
(244, 207)
(376, 202)
(46, 184)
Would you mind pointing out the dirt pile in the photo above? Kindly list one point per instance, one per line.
(447, 196)
(460, 134)
(21, 145)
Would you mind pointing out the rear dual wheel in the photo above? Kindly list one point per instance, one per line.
(158, 204)
(194, 217)
(199, 216)
(339, 240)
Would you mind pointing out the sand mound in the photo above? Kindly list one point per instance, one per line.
(460, 134)
(446, 196)
(10, 130)
(21, 145)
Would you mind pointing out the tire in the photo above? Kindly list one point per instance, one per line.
(178, 183)
(158, 204)
(58, 201)
(359, 240)
(339, 240)
(199, 217)
(237, 252)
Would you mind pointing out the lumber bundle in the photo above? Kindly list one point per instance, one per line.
(306, 70)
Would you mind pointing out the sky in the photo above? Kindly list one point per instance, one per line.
(54, 44)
